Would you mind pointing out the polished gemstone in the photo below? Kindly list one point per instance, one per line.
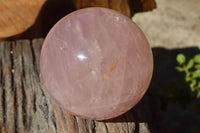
(96, 63)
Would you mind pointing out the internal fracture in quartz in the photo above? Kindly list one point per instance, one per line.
(96, 63)
(112, 69)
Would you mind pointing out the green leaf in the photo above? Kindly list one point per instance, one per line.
(192, 85)
(197, 58)
(180, 69)
(181, 59)
(190, 64)
(194, 82)
(198, 85)
(192, 88)
(187, 77)
(197, 66)
(198, 94)
(196, 73)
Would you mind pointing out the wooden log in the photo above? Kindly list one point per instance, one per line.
(26, 107)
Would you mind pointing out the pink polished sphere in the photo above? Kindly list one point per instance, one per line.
(96, 63)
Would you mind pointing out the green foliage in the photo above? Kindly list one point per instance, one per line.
(192, 71)
(190, 64)
(197, 58)
(180, 59)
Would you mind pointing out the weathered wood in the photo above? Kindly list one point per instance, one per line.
(26, 107)
(18, 15)
(7, 89)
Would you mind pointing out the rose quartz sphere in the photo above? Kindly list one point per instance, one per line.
(96, 63)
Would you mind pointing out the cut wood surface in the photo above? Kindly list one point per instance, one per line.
(18, 15)
(26, 107)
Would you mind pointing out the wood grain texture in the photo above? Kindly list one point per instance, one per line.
(18, 15)
(26, 107)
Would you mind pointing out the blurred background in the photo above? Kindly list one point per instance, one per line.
(171, 26)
